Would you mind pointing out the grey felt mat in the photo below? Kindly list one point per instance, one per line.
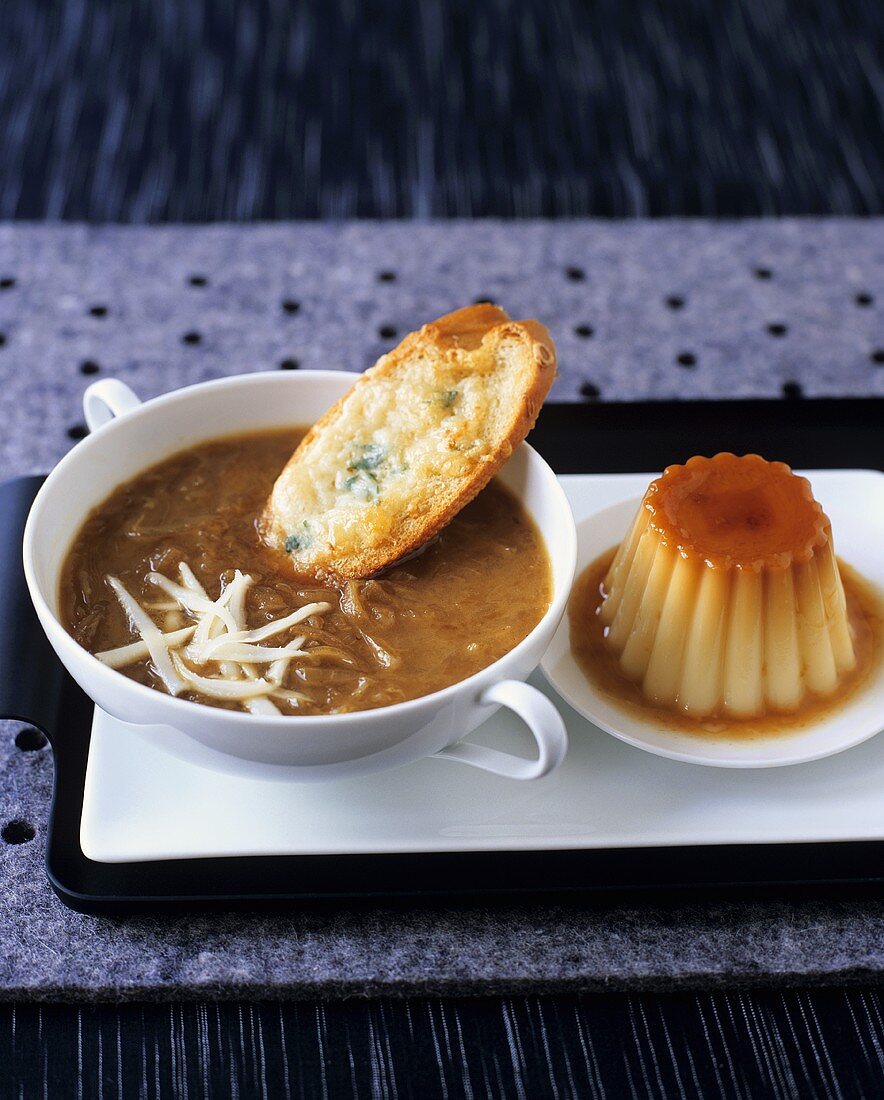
(824, 285)
(638, 309)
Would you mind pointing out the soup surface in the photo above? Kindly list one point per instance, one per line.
(468, 599)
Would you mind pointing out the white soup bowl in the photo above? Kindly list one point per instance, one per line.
(128, 437)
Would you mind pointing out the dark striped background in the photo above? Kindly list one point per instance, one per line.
(162, 110)
(716, 1045)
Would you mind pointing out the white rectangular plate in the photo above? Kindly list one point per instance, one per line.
(142, 803)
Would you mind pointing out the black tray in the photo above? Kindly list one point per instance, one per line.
(574, 439)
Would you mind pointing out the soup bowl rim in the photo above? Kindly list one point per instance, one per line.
(116, 679)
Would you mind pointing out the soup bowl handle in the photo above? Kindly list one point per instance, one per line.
(106, 400)
(539, 715)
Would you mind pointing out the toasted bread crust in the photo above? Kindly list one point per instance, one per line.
(454, 338)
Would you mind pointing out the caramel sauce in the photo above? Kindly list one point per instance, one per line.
(865, 611)
(737, 511)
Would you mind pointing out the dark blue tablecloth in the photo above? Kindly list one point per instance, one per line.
(148, 111)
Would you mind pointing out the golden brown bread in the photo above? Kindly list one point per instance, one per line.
(413, 441)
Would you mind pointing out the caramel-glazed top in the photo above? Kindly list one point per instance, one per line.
(738, 512)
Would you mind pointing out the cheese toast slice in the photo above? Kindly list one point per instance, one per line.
(413, 441)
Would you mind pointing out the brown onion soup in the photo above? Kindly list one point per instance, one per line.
(470, 597)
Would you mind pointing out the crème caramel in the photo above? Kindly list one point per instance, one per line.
(725, 598)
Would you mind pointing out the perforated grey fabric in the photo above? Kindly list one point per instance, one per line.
(161, 308)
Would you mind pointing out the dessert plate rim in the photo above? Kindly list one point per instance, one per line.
(860, 718)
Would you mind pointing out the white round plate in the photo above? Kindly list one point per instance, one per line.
(859, 536)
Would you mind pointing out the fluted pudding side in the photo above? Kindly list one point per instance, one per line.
(725, 597)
